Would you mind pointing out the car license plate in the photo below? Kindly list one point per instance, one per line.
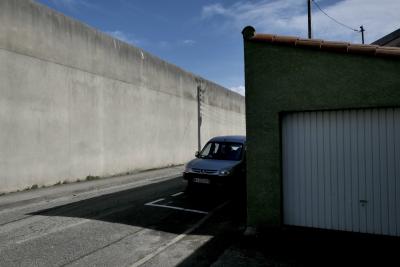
(201, 181)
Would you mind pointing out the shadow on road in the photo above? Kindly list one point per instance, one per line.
(287, 247)
(294, 246)
(128, 207)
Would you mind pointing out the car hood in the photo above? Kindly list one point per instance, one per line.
(212, 164)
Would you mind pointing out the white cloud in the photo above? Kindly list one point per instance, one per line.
(175, 44)
(188, 42)
(160, 44)
(289, 17)
(215, 9)
(262, 12)
(238, 89)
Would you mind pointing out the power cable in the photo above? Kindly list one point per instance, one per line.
(335, 20)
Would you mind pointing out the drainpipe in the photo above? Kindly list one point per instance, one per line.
(198, 117)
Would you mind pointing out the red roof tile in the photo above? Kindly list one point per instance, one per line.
(250, 35)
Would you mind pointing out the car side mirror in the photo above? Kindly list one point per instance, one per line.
(197, 154)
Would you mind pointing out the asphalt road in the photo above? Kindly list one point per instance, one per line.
(132, 221)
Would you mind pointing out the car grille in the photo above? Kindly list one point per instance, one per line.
(203, 171)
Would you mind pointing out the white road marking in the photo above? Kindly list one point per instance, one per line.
(153, 204)
(155, 201)
(177, 194)
(176, 208)
(178, 238)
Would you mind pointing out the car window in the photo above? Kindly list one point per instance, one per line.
(206, 150)
(215, 150)
(222, 151)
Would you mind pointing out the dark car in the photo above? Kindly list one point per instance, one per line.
(221, 163)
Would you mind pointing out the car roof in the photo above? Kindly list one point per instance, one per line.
(229, 138)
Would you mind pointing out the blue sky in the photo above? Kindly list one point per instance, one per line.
(204, 37)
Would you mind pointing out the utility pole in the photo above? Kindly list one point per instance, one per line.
(362, 33)
(309, 19)
(198, 117)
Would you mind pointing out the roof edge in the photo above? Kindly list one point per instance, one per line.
(387, 38)
(249, 34)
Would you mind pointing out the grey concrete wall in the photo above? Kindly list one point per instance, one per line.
(75, 102)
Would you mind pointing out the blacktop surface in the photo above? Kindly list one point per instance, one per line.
(41, 221)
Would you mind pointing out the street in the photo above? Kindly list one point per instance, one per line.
(128, 221)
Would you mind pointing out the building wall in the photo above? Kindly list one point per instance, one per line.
(284, 79)
(75, 102)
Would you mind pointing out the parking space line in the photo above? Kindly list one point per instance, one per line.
(155, 201)
(174, 208)
(177, 194)
(178, 238)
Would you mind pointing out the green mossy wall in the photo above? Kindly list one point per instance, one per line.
(282, 79)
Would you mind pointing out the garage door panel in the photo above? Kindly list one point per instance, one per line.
(361, 158)
(341, 170)
(296, 192)
(320, 170)
(376, 201)
(369, 171)
(383, 171)
(354, 171)
(326, 170)
(301, 168)
(391, 171)
(314, 171)
(341, 212)
(308, 171)
(362, 178)
(347, 171)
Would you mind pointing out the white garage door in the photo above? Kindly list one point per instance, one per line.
(341, 170)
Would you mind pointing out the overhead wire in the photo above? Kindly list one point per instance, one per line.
(332, 18)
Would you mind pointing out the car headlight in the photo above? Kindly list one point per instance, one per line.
(225, 172)
(188, 169)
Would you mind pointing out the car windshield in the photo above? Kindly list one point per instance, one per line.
(222, 151)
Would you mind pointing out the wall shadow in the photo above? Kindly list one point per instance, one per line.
(290, 246)
(297, 246)
(301, 247)
(128, 207)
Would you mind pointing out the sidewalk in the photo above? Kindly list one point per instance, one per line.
(73, 189)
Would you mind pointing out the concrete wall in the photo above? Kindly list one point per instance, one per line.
(282, 79)
(75, 102)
